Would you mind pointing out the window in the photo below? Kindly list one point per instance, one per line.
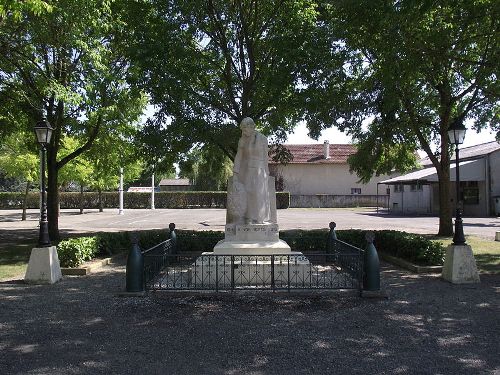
(416, 187)
(355, 190)
(399, 188)
(470, 192)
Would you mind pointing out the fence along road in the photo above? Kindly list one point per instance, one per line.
(71, 222)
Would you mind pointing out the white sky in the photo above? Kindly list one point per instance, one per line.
(333, 135)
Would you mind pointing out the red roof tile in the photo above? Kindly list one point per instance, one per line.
(313, 153)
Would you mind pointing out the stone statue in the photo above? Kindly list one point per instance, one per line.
(250, 200)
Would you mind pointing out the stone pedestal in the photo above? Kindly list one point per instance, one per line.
(252, 270)
(253, 239)
(43, 267)
(459, 265)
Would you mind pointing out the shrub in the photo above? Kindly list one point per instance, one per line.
(412, 247)
(163, 199)
(75, 251)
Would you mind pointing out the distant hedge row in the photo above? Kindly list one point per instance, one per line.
(164, 199)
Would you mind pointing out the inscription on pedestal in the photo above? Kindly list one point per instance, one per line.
(252, 232)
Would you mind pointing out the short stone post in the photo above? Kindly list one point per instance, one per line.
(135, 267)
(371, 278)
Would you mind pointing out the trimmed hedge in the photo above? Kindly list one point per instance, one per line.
(163, 199)
(408, 246)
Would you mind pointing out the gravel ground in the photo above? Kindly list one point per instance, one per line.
(81, 326)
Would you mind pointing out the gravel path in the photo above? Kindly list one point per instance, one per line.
(81, 326)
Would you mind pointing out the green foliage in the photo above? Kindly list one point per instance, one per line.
(412, 69)
(17, 156)
(62, 62)
(207, 65)
(207, 167)
(75, 251)
(164, 199)
(412, 247)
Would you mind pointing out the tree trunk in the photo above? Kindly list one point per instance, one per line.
(25, 201)
(443, 172)
(52, 197)
(81, 199)
(101, 208)
(445, 219)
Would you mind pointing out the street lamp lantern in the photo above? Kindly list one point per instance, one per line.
(456, 135)
(43, 132)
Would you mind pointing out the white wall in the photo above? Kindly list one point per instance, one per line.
(494, 166)
(418, 202)
(334, 179)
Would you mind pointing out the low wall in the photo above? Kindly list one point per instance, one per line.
(333, 201)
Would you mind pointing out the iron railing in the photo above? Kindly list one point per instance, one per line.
(157, 258)
(256, 272)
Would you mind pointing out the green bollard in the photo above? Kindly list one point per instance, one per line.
(330, 242)
(371, 277)
(135, 267)
(173, 236)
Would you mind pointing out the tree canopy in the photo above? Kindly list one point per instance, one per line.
(412, 68)
(62, 63)
(208, 64)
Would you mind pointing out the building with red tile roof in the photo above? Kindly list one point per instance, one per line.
(318, 175)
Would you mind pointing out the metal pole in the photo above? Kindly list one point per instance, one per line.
(43, 237)
(120, 189)
(458, 237)
(153, 191)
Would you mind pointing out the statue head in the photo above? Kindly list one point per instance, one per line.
(247, 126)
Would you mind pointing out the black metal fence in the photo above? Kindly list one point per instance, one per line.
(273, 272)
(341, 266)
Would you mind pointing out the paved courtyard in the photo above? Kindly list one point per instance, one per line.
(72, 222)
(81, 326)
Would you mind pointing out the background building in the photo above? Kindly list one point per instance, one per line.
(318, 176)
(418, 192)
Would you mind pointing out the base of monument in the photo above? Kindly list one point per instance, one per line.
(224, 247)
(251, 270)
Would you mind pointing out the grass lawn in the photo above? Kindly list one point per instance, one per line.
(14, 260)
(486, 252)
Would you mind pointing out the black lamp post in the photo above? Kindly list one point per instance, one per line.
(43, 132)
(456, 135)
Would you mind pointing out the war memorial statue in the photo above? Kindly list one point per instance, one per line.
(251, 224)
(251, 241)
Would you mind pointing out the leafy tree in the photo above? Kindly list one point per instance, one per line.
(207, 168)
(413, 68)
(63, 63)
(208, 64)
(18, 160)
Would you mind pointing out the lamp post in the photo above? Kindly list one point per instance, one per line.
(43, 132)
(456, 135)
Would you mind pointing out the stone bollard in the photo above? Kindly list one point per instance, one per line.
(135, 267)
(173, 236)
(371, 277)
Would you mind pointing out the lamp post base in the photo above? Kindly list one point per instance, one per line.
(459, 265)
(43, 267)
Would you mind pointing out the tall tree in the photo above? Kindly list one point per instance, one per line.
(19, 159)
(207, 168)
(209, 64)
(63, 63)
(412, 68)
